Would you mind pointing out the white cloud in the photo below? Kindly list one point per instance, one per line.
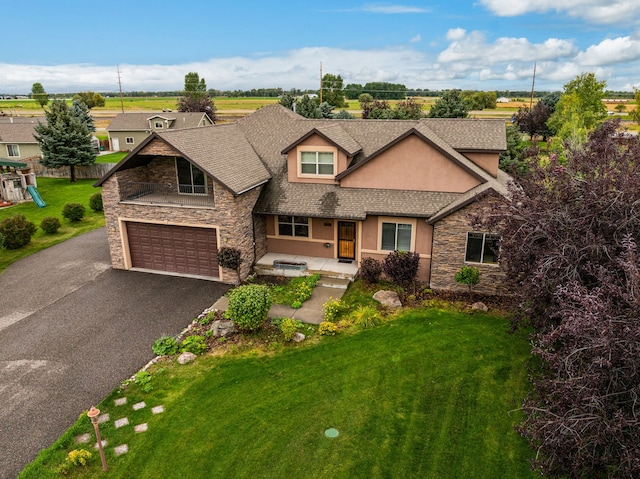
(596, 11)
(611, 51)
(474, 48)
(416, 39)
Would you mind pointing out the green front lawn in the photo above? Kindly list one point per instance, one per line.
(432, 394)
(112, 157)
(55, 192)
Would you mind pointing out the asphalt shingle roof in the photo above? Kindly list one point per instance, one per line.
(140, 121)
(17, 132)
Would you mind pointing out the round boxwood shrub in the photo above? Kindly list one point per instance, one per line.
(95, 202)
(73, 211)
(249, 306)
(50, 225)
(16, 231)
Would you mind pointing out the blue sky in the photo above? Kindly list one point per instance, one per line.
(72, 45)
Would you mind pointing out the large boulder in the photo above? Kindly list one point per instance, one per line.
(298, 337)
(479, 306)
(223, 328)
(389, 299)
(186, 357)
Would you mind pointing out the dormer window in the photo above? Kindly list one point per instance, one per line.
(317, 163)
(159, 124)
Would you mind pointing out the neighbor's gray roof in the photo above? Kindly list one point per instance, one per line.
(274, 129)
(140, 121)
(223, 152)
(17, 132)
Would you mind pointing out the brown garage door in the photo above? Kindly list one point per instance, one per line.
(176, 249)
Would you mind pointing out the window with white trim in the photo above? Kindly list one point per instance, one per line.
(293, 226)
(159, 124)
(13, 151)
(191, 180)
(482, 248)
(396, 236)
(129, 140)
(317, 163)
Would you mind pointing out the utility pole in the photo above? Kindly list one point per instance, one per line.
(120, 85)
(320, 82)
(533, 83)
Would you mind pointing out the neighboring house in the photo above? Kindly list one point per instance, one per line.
(275, 182)
(128, 130)
(503, 99)
(17, 142)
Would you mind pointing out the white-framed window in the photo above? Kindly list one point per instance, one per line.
(13, 151)
(293, 226)
(482, 248)
(191, 180)
(396, 236)
(317, 163)
(129, 140)
(159, 124)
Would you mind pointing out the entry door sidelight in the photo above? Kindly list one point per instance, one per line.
(346, 240)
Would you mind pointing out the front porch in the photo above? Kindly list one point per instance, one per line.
(278, 264)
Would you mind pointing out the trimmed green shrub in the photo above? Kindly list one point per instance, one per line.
(73, 211)
(468, 275)
(289, 327)
(327, 328)
(165, 346)
(401, 267)
(95, 201)
(79, 457)
(229, 258)
(370, 270)
(193, 344)
(50, 225)
(16, 231)
(249, 306)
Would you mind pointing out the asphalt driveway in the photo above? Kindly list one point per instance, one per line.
(72, 329)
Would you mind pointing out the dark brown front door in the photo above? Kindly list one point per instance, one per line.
(175, 249)
(346, 240)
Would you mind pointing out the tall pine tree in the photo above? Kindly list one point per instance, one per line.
(65, 139)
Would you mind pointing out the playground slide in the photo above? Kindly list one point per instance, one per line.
(37, 199)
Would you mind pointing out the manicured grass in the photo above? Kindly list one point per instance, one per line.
(55, 192)
(111, 157)
(432, 394)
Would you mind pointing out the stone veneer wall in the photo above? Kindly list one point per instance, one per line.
(233, 216)
(449, 247)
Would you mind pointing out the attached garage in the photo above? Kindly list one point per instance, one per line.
(173, 249)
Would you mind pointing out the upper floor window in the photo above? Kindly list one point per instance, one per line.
(396, 236)
(13, 150)
(158, 124)
(482, 248)
(129, 140)
(317, 163)
(191, 180)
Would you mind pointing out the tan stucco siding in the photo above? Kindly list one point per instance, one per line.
(487, 161)
(293, 159)
(300, 247)
(411, 164)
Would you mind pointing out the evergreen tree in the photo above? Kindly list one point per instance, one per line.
(65, 139)
(449, 105)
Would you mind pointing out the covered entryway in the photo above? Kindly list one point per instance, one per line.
(346, 240)
(173, 249)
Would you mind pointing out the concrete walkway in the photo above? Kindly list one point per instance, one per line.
(312, 310)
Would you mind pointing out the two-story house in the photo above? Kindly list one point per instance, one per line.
(275, 182)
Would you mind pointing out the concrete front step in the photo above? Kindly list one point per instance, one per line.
(337, 283)
(262, 270)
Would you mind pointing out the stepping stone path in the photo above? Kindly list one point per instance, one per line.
(118, 423)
